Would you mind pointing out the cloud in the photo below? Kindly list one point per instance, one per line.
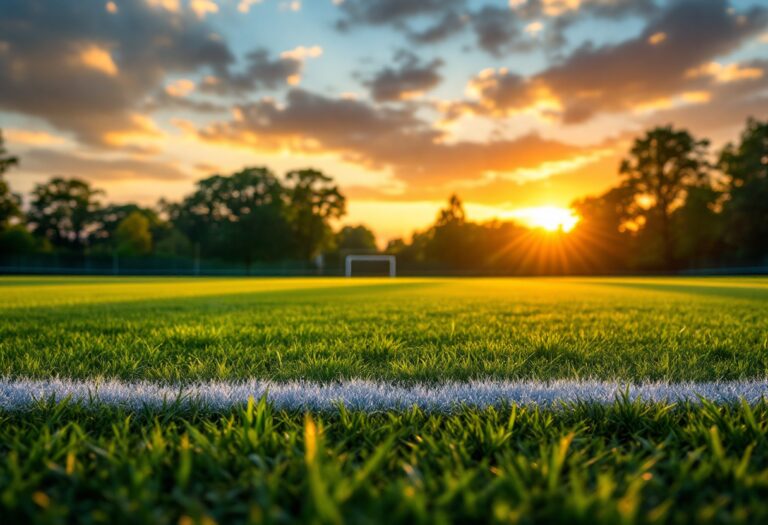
(262, 71)
(730, 103)
(73, 165)
(30, 137)
(390, 12)
(180, 88)
(98, 58)
(385, 138)
(410, 78)
(86, 69)
(622, 77)
(244, 6)
(726, 73)
(302, 53)
(498, 29)
(203, 7)
(95, 71)
(449, 24)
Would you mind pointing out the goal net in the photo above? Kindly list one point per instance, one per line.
(389, 259)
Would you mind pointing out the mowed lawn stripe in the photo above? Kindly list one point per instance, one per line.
(399, 330)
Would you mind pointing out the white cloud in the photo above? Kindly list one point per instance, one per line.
(245, 5)
(302, 52)
(203, 7)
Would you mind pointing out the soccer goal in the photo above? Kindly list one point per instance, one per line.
(370, 258)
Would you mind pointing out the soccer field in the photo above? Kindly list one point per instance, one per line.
(586, 447)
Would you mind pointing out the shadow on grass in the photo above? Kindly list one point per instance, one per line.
(711, 290)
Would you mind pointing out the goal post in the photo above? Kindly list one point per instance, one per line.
(390, 259)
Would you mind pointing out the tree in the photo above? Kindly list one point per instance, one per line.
(240, 217)
(451, 238)
(452, 214)
(64, 211)
(698, 227)
(109, 218)
(6, 161)
(173, 243)
(313, 201)
(746, 212)
(661, 166)
(355, 238)
(601, 237)
(133, 236)
(9, 202)
(16, 240)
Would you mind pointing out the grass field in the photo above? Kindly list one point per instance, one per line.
(628, 461)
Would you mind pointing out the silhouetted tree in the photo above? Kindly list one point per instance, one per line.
(451, 214)
(355, 238)
(746, 211)
(17, 240)
(64, 211)
(174, 243)
(698, 227)
(6, 160)
(313, 201)
(661, 166)
(601, 237)
(241, 216)
(9, 201)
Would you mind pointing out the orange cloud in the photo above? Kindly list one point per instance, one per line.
(169, 5)
(302, 52)
(657, 38)
(180, 88)
(99, 59)
(203, 7)
(29, 137)
(725, 73)
(142, 133)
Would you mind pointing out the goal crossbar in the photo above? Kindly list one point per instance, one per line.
(370, 258)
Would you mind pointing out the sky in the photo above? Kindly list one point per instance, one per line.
(515, 105)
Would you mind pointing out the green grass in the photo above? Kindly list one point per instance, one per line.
(404, 330)
(625, 463)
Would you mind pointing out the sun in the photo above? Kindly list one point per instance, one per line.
(549, 218)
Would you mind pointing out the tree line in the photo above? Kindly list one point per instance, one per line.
(677, 206)
(247, 217)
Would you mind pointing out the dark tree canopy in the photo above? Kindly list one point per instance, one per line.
(6, 160)
(355, 238)
(65, 212)
(241, 216)
(313, 201)
(746, 211)
(10, 203)
(660, 168)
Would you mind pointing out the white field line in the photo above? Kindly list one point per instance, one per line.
(365, 395)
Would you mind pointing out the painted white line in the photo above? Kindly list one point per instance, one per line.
(366, 395)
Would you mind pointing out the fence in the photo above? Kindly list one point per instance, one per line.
(74, 264)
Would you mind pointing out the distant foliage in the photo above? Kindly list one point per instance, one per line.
(672, 209)
(133, 235)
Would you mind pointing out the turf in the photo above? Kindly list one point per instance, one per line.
(625, 463)
(628, 462)
(402, 330)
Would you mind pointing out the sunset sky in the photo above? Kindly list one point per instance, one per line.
(512, 104)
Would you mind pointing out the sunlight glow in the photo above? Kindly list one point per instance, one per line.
(549, 218)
